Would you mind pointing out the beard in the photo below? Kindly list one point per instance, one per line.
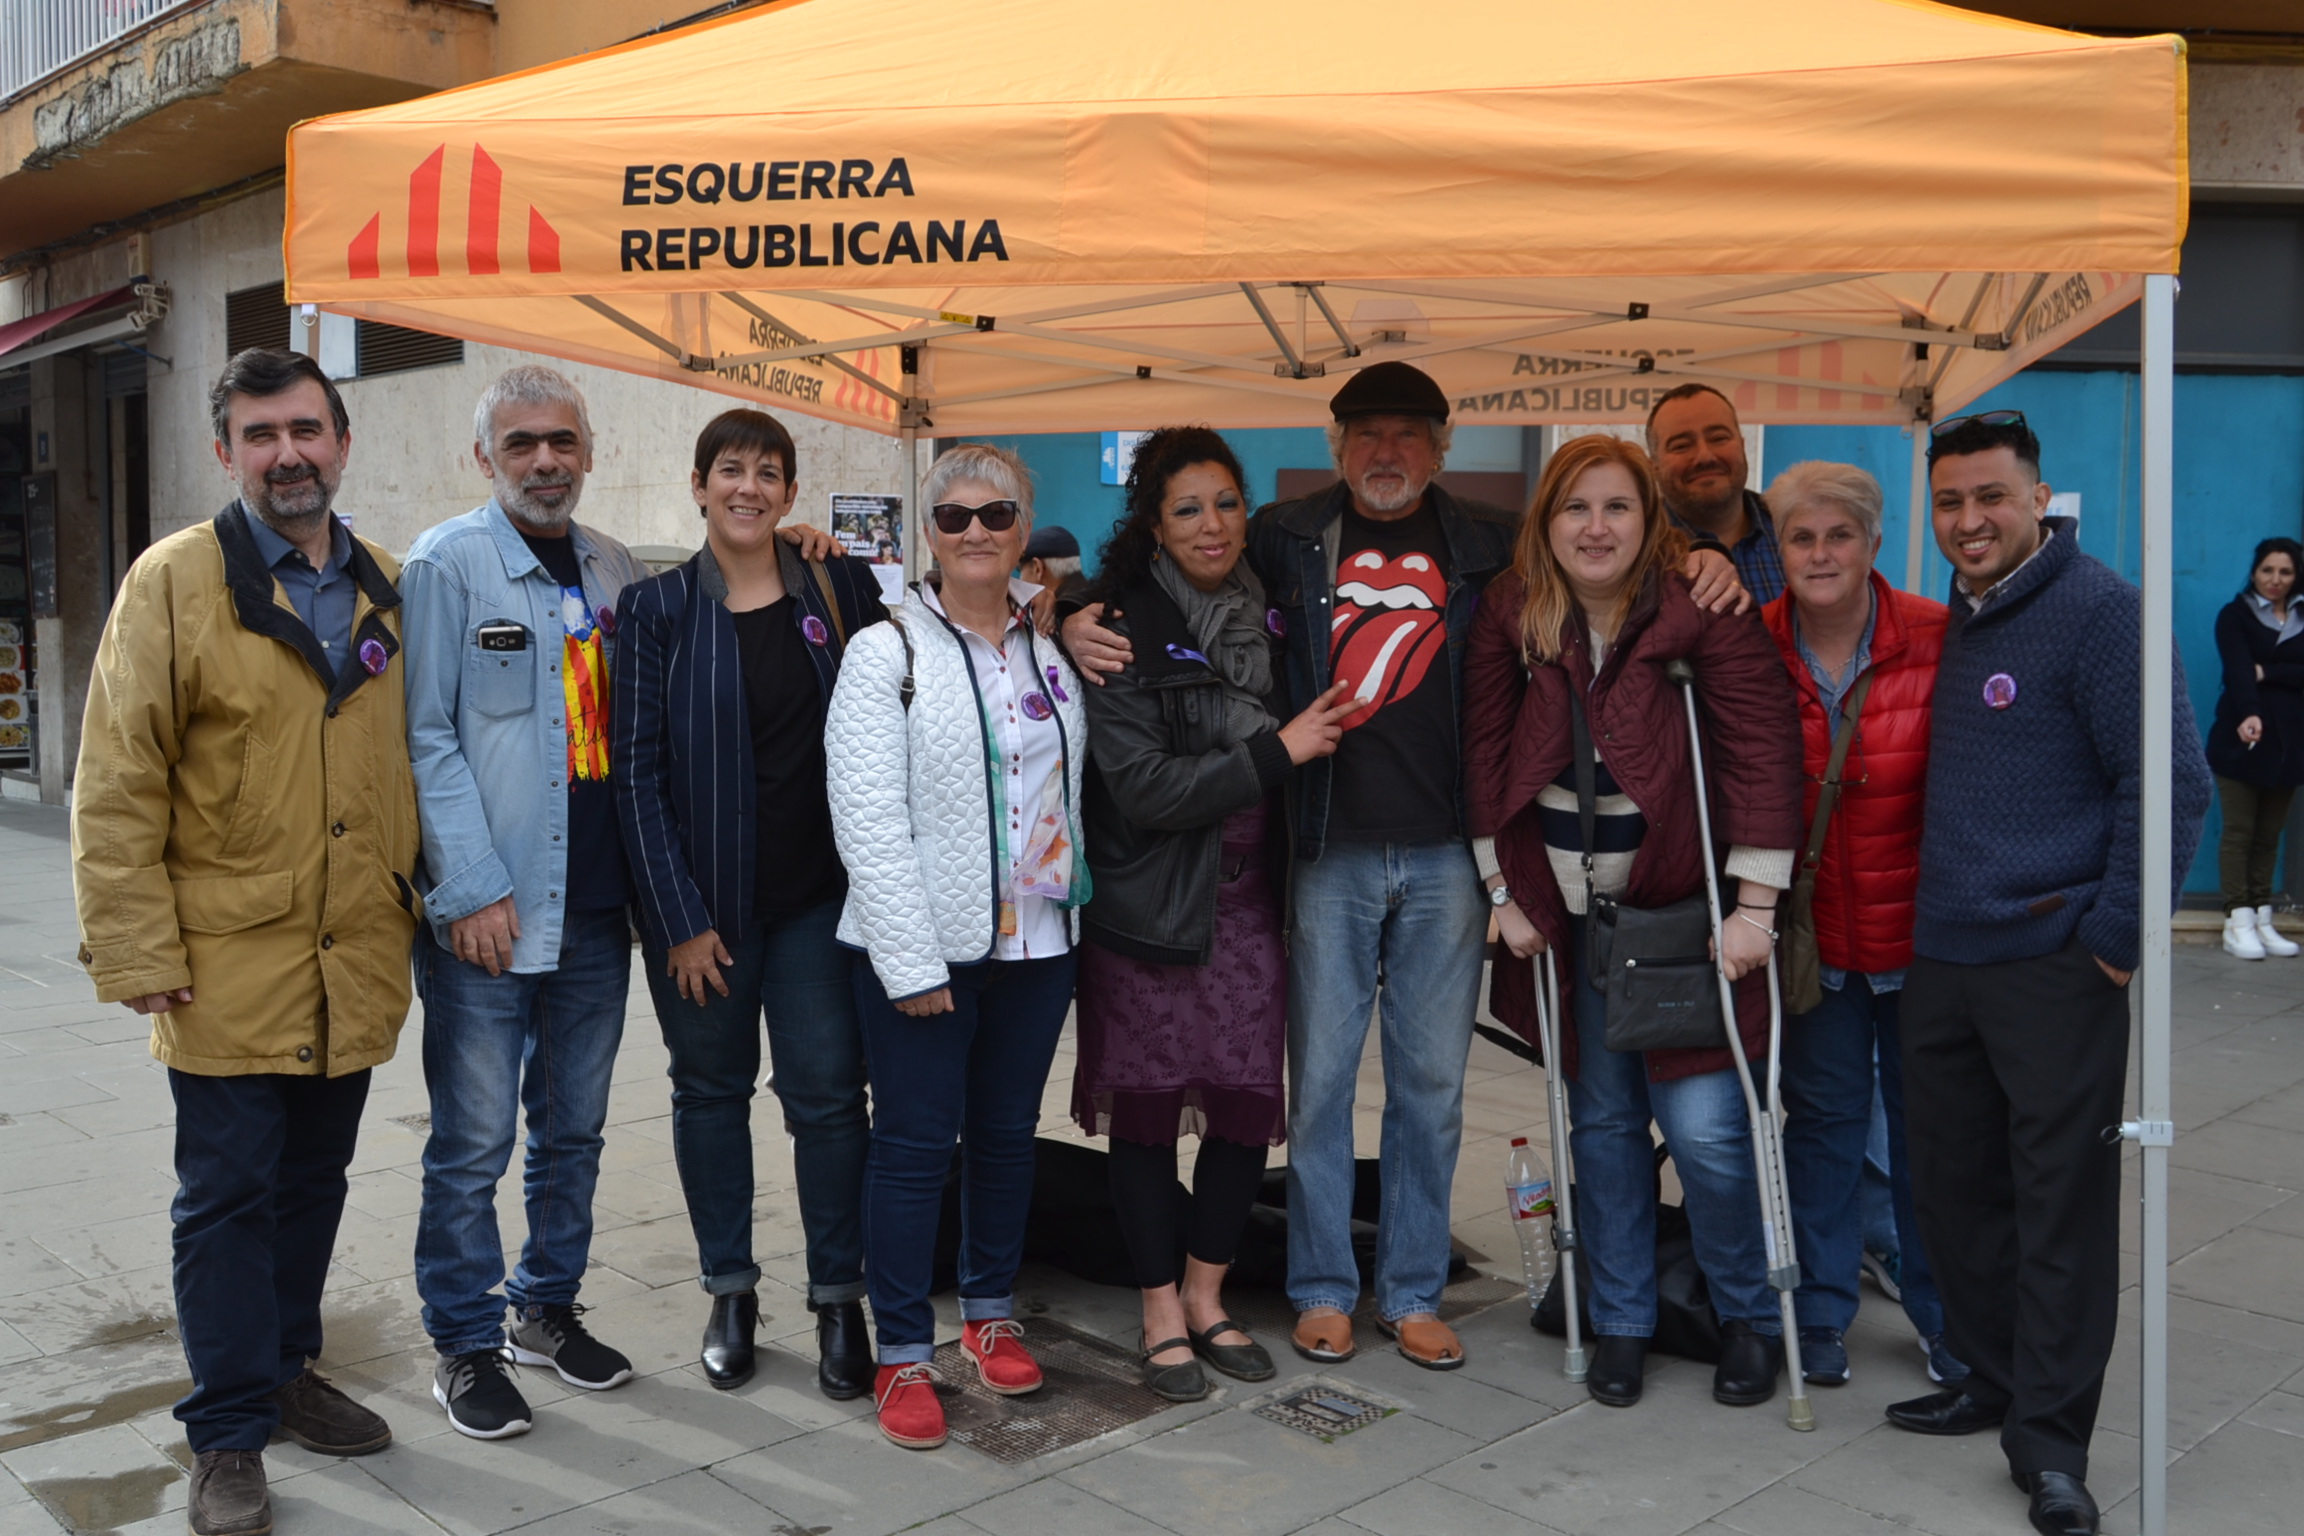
(290, 501)
(522, 502)
(1389, 488)
(1708, 513)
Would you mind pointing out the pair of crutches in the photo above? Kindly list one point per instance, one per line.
(1766, 1118)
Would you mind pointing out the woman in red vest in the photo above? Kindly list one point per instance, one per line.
(1840, 625)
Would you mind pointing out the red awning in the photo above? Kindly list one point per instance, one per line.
(32, 327)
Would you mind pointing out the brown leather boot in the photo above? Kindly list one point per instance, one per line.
(228, 1495)
(318, 1417)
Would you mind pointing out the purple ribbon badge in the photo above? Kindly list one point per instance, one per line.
(1036, 706)
(1057, 688)
(813, 628)
(1275, 624)
(1999, 690)
(374, 657)
(1186, 653)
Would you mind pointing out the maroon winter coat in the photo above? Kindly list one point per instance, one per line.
(1518, 739)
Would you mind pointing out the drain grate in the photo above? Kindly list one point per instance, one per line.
(420, 1122)
(1092, 1389)
(1324, 1412)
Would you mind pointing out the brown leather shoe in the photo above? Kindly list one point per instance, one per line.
(1324, 1336)
(1426, 1341)
(228, 1495)
(318, 1417)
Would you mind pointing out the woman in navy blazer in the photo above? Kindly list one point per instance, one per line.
(722, 672)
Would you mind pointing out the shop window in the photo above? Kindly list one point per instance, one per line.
(2241, 309)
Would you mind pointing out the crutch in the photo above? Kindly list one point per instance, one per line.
(1563, 1202)
(1767, 1137)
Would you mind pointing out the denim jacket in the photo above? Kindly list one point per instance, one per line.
(1293, 547)
(487, 730)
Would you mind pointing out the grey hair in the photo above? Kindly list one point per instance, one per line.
(528, 384)
(994, 466)
(1443, 433)
(1818, 482)
(1058, 567)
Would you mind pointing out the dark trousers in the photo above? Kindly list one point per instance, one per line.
(2012, 1072)
(1225, 1178)
(972, 1078)
(2249, 852)
(260, 1166)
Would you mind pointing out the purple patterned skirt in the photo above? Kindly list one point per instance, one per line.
(1173, 1050)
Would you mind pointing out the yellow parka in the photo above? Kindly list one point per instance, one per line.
(242, 826)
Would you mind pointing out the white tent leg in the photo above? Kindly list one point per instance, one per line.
(1916, 537)
(915, 557)
(2154, 1127)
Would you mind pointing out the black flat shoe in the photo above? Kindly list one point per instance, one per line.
(1619, 1366)
(1183, 1382)
(1749, 1364)
(1950, 1412)
(728, 1359)
(844, 1366)
(1242, 1362)
(2061, 1505)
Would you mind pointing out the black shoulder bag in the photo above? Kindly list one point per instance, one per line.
(1653, 965)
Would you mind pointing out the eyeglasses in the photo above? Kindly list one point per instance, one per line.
(1952, 424)
(952, 517)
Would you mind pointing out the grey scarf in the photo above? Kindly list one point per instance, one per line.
(1227, 626)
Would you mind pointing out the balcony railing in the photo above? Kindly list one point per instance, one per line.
(39, 37)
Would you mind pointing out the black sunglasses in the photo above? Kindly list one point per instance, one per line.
(1982, 418)
(996, 516)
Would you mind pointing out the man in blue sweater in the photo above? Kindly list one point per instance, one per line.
(2016, 1006)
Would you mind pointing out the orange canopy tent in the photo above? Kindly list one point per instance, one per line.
(1043, 215)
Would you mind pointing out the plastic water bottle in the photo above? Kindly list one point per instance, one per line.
(1528, 1196)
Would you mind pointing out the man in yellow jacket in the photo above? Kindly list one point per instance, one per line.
(244, 843)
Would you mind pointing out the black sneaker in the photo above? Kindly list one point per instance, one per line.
(555, 1336)
(477, 1391)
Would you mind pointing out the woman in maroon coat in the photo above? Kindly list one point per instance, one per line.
(1593, 604)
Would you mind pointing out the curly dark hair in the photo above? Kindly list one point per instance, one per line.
(1126, 558)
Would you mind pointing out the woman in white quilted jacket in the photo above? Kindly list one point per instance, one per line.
(955, 740)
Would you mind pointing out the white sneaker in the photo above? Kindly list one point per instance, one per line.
(2240, 938)
(2274, 942)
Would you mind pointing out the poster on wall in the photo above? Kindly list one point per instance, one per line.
(872, 528)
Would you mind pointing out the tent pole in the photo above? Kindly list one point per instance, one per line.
(2154, 1128)
(912, 531)
(1916, 536)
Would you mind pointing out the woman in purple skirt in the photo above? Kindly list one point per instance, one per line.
(1183, 981)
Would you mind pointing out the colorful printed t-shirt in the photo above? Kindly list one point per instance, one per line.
(1395, 770)
(596, 875)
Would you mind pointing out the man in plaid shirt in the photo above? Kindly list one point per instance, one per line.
(1698, 446)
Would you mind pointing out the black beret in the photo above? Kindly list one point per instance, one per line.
(1390, 389)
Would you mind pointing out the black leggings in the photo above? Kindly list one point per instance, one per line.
(1224, 1182)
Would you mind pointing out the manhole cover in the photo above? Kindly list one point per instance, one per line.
(1324, 1412)
(413, 1122)
(1092, 1389)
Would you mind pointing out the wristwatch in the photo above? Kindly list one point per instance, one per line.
(1501, 896)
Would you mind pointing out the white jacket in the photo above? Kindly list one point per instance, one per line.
(911, 797)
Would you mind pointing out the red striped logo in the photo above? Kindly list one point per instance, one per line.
(483, 225)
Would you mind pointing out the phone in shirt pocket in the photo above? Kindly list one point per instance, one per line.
(500, 668)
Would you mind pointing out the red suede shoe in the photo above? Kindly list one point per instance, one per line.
(905, 1395)
(996, 1344)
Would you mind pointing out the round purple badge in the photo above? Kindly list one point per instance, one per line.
(813, 628)
(1275, 624)
(606, 619)
(1036, 706)
(374, 657)
(1999, 690)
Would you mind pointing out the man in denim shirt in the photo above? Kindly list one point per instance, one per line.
(525, 958)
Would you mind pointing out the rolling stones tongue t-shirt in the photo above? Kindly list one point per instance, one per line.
(1395, 770)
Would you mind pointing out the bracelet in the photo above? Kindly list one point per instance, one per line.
(1763, 927)
(1755, 906)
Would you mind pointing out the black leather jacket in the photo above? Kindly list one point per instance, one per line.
(1159, 785)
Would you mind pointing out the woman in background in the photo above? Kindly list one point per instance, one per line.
(2256, 745)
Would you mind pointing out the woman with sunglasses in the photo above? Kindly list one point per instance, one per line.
(1183, 977)
(957, 740)
(722, 679)
(2256, 745)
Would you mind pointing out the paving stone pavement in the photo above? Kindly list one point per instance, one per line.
(89, 1362)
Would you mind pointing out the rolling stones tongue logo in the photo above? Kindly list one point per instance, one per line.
(1388, 627)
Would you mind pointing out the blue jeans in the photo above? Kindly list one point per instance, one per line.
(798, 975)
(1828, 1075)
(260, 1163)
(973, 1078)
(494, 1045)
(1409, 922)
(1610, 1104)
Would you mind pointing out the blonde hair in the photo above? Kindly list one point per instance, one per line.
(1550, 604)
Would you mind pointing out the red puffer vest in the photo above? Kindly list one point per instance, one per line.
(1871, 860)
